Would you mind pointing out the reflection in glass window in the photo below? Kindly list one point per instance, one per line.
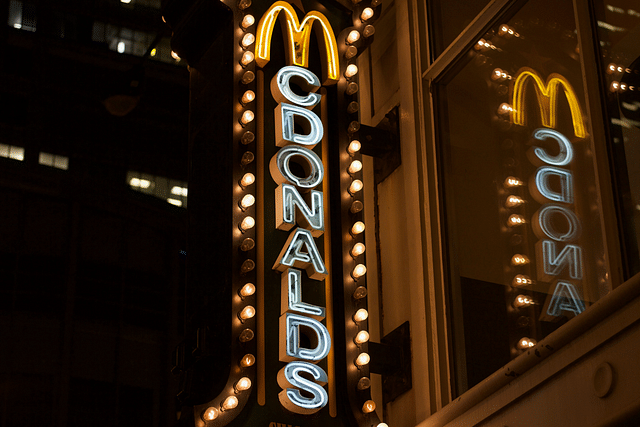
(53, 160)
(12, 152)
(22, 16)
(171, 190)
(618, 34)
(122, 40)
(448, 18)
(523, 222)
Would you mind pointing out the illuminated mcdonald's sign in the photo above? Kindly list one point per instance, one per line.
(297, 39)
(547, 96)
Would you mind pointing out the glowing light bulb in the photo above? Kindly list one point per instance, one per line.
(247, 21)
(210, 414)
(360, 315)
(243, 384)
(362, 360)
(247, 266)
(247, 117)
(356, 206)
(247, 138)
(513, 182)
(504, 109)
(247, 58)
(247, 360)
(247, 313)
(352, 88)
(360, 292)
(247, 77)
(383, 425)
(519, 259)
(355, 166)
(359, 271)
(515, 220)
(361, 338)
(526, 343)
(247, 244)
(357, 228)
(496, 74)
(358, 249)
(368, 407)
(248, 40)
(355, 186)
(247, 223)
(354, 147)
(247, 201)
(353, 36)
(246, 335)
(174, 55)
(352, 70)
(247, 179)
(521, 280)
(248, 97)
(523, 301)
(368, 31)
(513, 201)
(364, 383)
(367, 13)
(229, 403)
(247, 290)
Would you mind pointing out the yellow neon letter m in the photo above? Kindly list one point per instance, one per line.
(297, 37)
(547, 96)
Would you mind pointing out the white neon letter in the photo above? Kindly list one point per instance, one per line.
(542, 187)
(281, 89)
(287, 198)
(281, 172)
(290, 348)
(565, 298)
(552, 264)
(565, 155)
(291, 291)
(544, 224)
(291, 398)
(292, 255)
(285, 117)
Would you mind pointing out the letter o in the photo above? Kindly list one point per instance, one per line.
(281, 172)
(543, 220)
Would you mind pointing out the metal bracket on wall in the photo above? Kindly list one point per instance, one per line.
(383, 144)
(392, 359)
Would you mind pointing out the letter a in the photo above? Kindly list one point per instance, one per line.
(293, 256)
(565, 298)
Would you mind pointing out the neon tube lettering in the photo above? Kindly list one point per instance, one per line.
(552, 264)
(544, 224)
(565, 298)
(290, 349)
(291, 291)
(544, 190)
(565, 155)
(286, 115)
(280, 171)
(281, 89)
(292, 255)
(287, 199)
(291, 398)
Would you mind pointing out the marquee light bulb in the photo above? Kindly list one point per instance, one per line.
(505, 108)
(496, 74)
(247, 266)
(361, 315)
(357, 228)
(248, 40)
(526, 343)
(360, 292)
(362, 360)
(368, 407)
(355, 186)
(247, 201)
(368, 31)
(247, 138)
(519, 259)
(513, 201)
(230, 402)
(247, 360)
(358, 249)
(247, 158)
(355, 166)
(247, 21)
(515, 220)
(247, 290)
(210, 414)
(521, 280)
(353, 107)
(248, 97)
(247, 117)
(356, 206)
(513, 182)
(246, 335)
(375, 3)
(359, 271)
(523, 301)
(352, 70)
(247, 313)
(364, 383)
(383, 425)
(247, 58)
(247, 244)
(353, 36)
(353, 127)
(247, 179)
(243, 384)
(350, 52)
(367, 13)
(247, 77)
(244, 4)
(352, 88)
(247, 223)
(361, 338)
(354, 147)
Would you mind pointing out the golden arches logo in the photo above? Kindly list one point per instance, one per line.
(297, 37)
(547, 96)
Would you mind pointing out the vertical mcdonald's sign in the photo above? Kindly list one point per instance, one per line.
(298, 294)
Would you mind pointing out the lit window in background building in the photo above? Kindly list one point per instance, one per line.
(53, 160)
(170, 190)
(22, 16)
(12, 152)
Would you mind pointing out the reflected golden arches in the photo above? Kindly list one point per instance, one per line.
(297, 36)
(547, 96)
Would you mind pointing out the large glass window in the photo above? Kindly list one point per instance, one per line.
(522, 215)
